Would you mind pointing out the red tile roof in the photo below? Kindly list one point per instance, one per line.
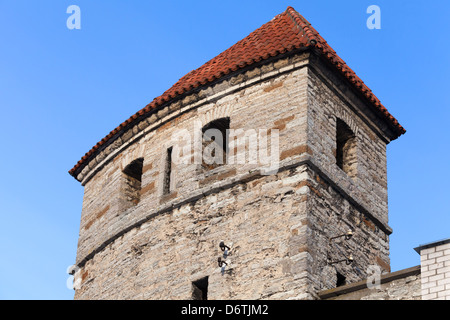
(286, 32)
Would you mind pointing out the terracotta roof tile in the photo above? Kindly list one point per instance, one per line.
(286, 32)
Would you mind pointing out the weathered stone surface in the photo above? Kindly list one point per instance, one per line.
(399, 285)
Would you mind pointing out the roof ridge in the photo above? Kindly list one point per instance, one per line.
(302, 24)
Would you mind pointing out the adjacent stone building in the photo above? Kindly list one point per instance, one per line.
(428, 281)
(161, 222)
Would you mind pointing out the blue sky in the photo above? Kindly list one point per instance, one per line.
(63, 90)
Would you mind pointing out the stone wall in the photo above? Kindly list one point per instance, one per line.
(399, 285)
(328, 103)
(162, 257)
(339, 201)
(331, 214)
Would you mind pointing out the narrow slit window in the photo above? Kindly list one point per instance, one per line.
(132, 183)
(168, 172)
(345, 148)
(200, 289)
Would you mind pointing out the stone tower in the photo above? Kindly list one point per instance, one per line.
(155, 211)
